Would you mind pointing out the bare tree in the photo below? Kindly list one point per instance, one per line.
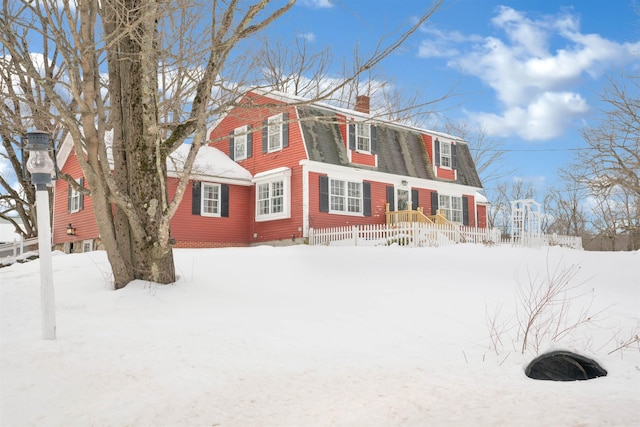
(487, 152)
(565, 208)
(132, 48)
(611, 164)
(499, 214)
(304, 72)
(24, 105)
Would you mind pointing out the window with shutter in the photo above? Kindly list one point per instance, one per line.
(210, 199)
(451, 207)
(239, 139)
(347, 197)
(362, 137)
(275, 133)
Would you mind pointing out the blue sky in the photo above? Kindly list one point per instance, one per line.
(528, 72)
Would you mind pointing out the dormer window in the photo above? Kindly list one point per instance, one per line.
(445, 155)
(362, 137)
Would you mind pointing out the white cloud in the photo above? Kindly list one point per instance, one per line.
(543, 118)
(310, 37)
(318, 4)
(537, 84)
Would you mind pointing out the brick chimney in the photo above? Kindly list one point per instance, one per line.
(362, 104)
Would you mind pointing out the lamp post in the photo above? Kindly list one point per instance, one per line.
(41, 167)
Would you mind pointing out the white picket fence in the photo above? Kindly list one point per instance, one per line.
(405, 234)
(421, 234)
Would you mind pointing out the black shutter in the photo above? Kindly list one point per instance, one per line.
(324, 194)
(69, 198)
(232, 148)
(224, 200)
(265, 136)
(249, 141)
(414, 199)
(374, 139)
(434, 203)
(195, 198)
(81, 195)
(437, 155)
(285, 130)
(366, 198)
(352, 136)
(391, 192)
(454, 157)
(465, 210)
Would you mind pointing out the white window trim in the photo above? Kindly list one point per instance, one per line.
(346, 197)
(450, 209)
(75, 199)
(85, 243)
(358, 136)
(202, 204)
(278, 121)
(240, 134)
(276, 175)
(442, 156)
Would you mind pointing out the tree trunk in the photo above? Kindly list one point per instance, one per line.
(139, 156)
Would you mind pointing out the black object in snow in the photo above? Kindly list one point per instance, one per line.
(563, 366)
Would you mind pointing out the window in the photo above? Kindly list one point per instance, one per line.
(345, 196)
(363, 137)
(274, 130)
(76, 198)
(271, 198)
(445, 154)
(240, 143)
(87, 245)
(452, 207)
(210, 199)
(272, 194)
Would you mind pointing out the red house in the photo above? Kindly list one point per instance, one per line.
(277, 165)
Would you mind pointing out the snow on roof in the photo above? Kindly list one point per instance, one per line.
(287, 98)
(481, 198)
(210, 162)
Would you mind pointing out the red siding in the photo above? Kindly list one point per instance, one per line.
(363, 158)
(428, 144)
(84, 220)
(319, 219)
(482, 216)
(189, 229)
(445, 173)
(472, 212)
(281, 229)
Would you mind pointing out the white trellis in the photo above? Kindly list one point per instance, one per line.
(525, 221)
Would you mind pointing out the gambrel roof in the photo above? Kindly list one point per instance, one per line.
(400, 149)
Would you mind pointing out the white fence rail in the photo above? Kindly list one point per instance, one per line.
(17, 247)
(421, 234)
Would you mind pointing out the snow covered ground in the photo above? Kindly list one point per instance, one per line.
(318, 336)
